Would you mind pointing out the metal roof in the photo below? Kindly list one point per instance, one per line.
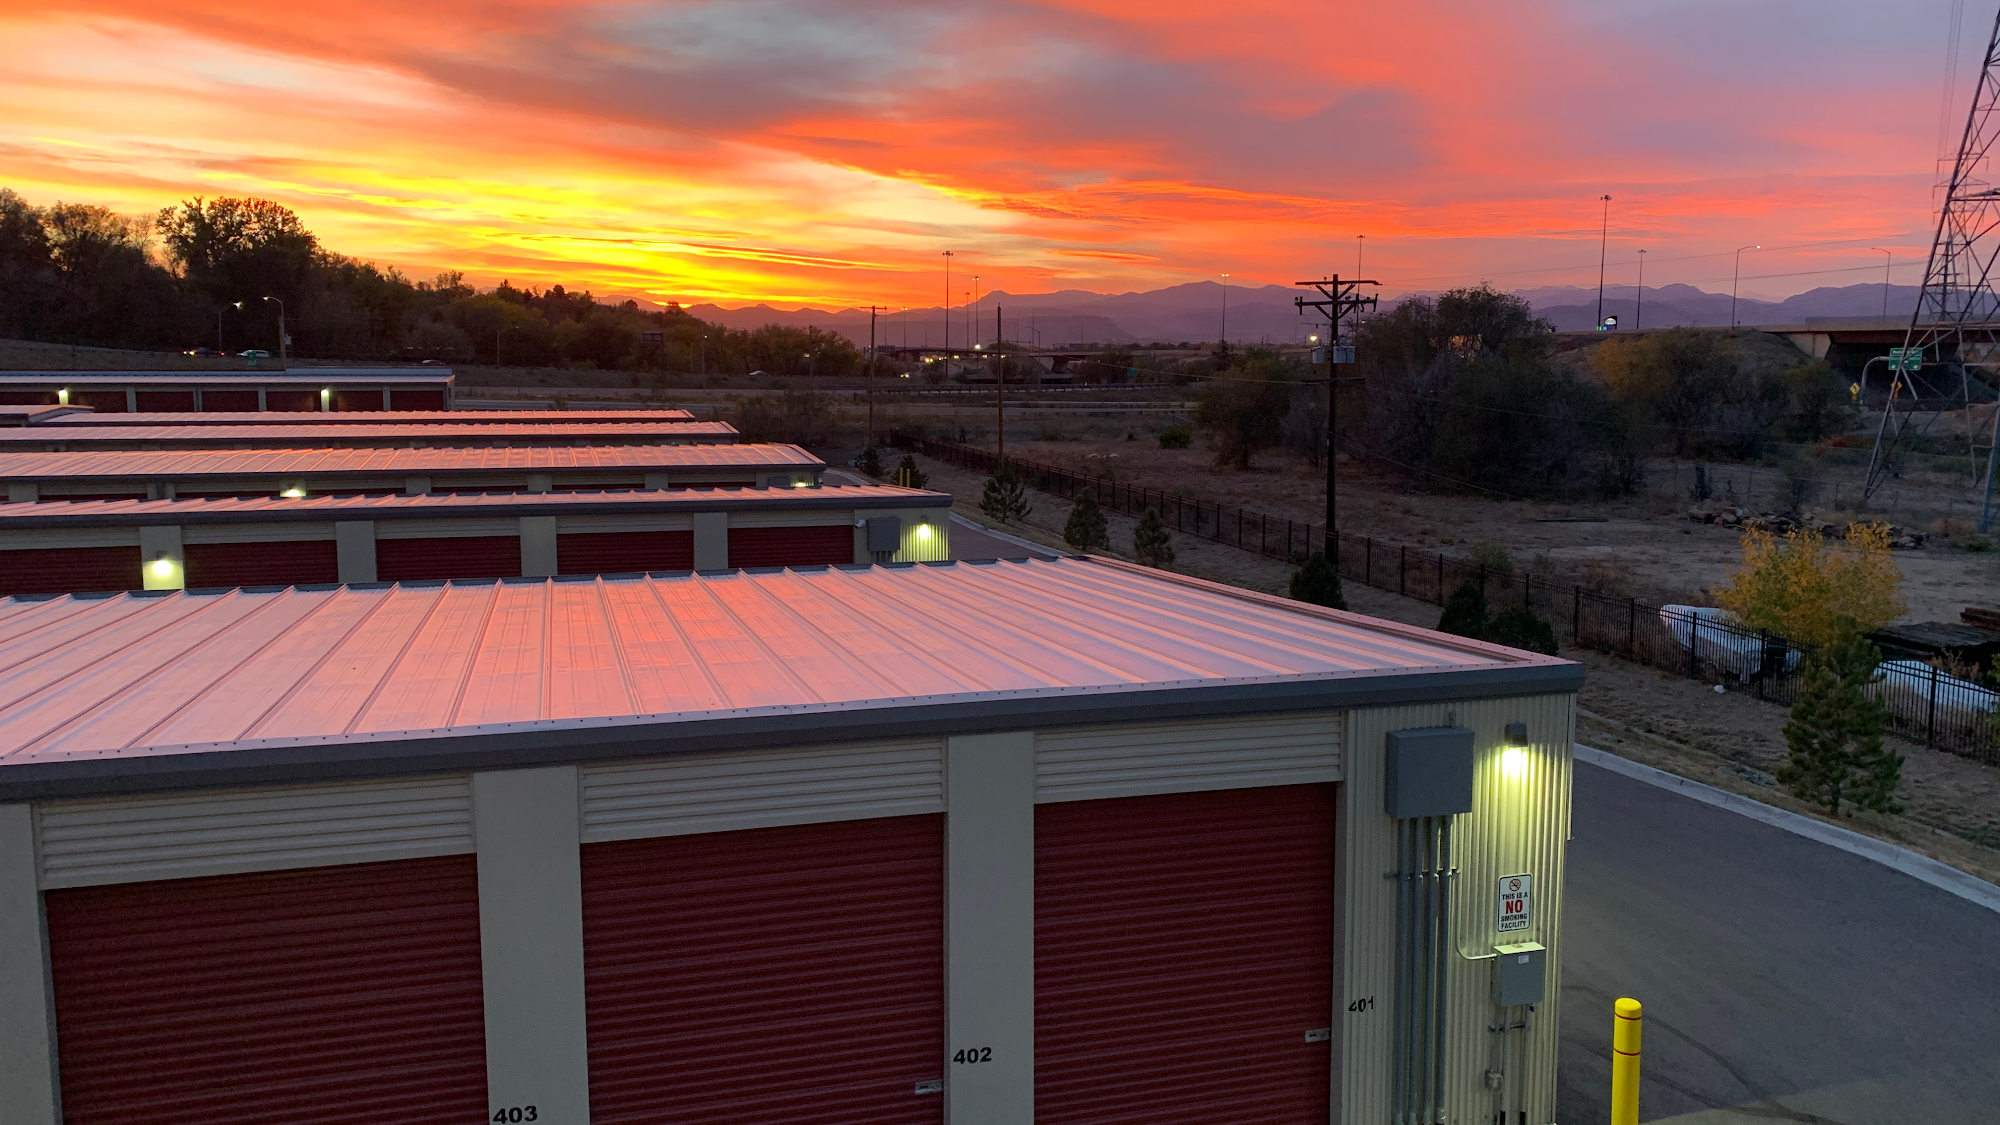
(303, 377)
(471, 416)
(437, 505)
(314, 434)
(181, 464)
(139, 691)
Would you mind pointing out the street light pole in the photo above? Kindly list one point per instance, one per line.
(1223, 339)
(1605, 235)
(283, 340)
(1638, 319)
(947, 307)
(1887, 261)
(1357, 253)
(1733, 279)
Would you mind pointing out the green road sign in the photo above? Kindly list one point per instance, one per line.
(1905, 359)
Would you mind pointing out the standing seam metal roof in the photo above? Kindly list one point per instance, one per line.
(276, 435)
(471, 416)
(94, 686)
(183, 463)
(262, 509)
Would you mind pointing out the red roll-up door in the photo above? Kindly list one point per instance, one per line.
(244, 402)
(791, 546)
(624, 552)
(467, 556)
(293, 401)
(350, 992)
(70, 570)
(165, 402)
(350, 399)
(103, 402)
(1183, 949)
(767, 975)
(416, 400)
(282, 563)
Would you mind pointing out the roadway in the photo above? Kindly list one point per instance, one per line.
(1783, 980)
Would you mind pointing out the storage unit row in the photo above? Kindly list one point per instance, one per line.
(1063, 841)
(182, 544)
(466, 416)
(300, 389)
(363, 435)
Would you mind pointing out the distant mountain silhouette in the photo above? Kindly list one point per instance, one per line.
(1193, 313)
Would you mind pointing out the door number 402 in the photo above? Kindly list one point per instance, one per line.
(974, 1055)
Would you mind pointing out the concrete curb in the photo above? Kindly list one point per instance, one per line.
(1944, 877)
(1035, 549)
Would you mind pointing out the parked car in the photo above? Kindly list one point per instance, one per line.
(254, 353)
(206, 353)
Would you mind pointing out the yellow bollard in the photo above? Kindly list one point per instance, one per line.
(1625, 1026)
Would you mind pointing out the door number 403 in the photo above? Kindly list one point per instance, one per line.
(974, 1055)
(514, 1114)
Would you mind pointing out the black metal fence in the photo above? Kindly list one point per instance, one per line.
(1925, 704)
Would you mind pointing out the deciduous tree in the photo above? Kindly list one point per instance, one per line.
(1806, 589)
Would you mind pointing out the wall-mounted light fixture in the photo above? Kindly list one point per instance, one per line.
(922, 532)
(293, 493)
(163, 567)
(62, 397)
(1514, 759)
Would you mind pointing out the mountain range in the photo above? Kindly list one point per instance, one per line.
(1195, 312)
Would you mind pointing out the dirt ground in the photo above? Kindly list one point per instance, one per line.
(1731, 741)
(1644, 548)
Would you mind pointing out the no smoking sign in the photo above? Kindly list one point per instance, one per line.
(1516, 903)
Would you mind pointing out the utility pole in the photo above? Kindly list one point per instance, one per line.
(1639, 306)
(999, 391)
(1603, 242)
(1337, 299)
(1223, 337)
(869, 371)
(284, 340)
(947, 310)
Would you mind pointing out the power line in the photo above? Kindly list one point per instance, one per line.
(1680, 258)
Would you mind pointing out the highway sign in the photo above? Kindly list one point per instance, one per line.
(1905, 359)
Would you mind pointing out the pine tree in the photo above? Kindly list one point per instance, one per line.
(1004, 499)
(870, 462)
(1465, 611)
(908, 475)
(1835, 734)
(1318, 582)
(1151, 544)
(1087, 526)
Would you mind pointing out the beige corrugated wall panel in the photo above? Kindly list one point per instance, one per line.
(809, 518)
(1091, 763)
(42, 539)
(132, 839)
(587, 525)
(724, 792)
(446, 528)
(1519, 823)
(257, 533)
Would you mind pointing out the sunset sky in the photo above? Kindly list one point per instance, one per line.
(826, 153)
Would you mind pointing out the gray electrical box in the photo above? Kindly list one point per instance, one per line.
(1430, 772)
(885, 533)
(1520, 973)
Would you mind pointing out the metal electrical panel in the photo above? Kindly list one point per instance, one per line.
(885, 533)
(1520, 974)
(1430, 772)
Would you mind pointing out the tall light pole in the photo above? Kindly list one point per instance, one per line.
(1603, 242)
(283, 340)
(1733, 279)
(972, 314)
(1357, 253)
(1640, 305)
(1886, 263)
(1223, 339)
(947, 304)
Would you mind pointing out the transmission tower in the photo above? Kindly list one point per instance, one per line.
(1956, 326)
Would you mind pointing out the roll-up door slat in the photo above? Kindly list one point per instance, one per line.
(726, 792)
(276, 563)
(69, 570)
(775, 974)
(791, 546)
(350, 992)
(465, 556)
(624, 552)
(1094, 763)
(1183, 949)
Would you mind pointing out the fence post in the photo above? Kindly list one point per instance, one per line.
(1632, 628)
(1694, 647)
(1440, 579)
(1763, 659)
(1930, 720)
(1368, 561)
(1576, 615)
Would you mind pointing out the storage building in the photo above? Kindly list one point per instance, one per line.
(105, 545)
(1064, 840)
(312, 388)
(361, 435)
(171, 474)
(464, 416)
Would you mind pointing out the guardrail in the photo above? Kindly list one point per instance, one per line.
(1925, 705)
